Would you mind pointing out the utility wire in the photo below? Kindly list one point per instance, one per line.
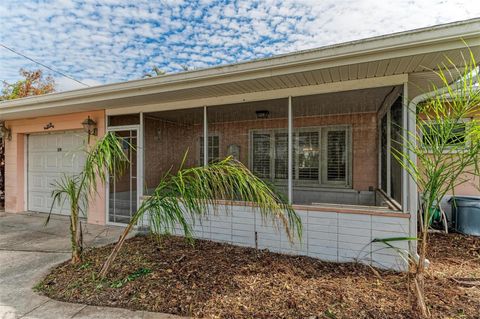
(45, 66)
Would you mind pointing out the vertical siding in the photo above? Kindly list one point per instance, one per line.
(329, 236)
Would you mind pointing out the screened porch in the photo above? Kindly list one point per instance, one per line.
(326, 150)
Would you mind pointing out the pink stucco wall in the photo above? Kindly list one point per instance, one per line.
(15, 158)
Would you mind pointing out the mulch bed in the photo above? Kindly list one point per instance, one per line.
(216, 280)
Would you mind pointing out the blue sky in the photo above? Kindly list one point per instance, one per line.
(114, 40)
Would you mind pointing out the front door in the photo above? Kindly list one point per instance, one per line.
(122, 188)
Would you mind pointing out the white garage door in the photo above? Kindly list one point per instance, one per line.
(50, 156)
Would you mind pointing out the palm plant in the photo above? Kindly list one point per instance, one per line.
(447, 150)
(104, 158)
(195, 192)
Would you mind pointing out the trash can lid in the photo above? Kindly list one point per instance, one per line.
(464, 198)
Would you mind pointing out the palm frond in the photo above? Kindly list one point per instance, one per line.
(64, 189)
(192, 193)
(105, 158)
(198, 191)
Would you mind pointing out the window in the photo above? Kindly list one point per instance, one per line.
(320, 156)
(308, 155)
(281, 156)
(383, 152)
(261, 155)
(432, 133)
(336, 156)
(213, 149)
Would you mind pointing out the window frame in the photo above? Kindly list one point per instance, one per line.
(322, 165)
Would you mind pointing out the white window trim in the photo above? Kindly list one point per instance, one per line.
(322, 164)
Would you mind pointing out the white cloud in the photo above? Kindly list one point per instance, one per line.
(66, 84)
(117, 40)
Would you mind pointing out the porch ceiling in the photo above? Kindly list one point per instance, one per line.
(413, 53)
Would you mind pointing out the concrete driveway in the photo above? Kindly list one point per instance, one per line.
(28, 249)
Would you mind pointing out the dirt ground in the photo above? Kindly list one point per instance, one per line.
(216, 280)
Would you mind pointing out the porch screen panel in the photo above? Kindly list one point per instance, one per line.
(255, 134)
(308, 155)
(336, 155)
(396, 144)
(213, 148)
(281, 156)
(321, 155)
(168, 137)
(261, 155)
(335, 143)
(383, 153)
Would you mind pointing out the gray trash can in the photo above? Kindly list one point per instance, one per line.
(466, 214)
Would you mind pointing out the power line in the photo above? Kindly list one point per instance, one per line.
(45, 66)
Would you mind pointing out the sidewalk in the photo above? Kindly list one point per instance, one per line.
(28, 249)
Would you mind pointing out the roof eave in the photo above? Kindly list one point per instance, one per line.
(409, 40)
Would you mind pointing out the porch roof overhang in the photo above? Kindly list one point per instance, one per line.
(375, 62)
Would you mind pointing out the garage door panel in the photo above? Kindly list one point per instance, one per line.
(51, 161)
(70, 142)
(51, 181)
(36, 143)
(58, 206)
(72, 162)
(36, 162)
(36, 182)
(51, 141)
(50, 156)
(36, 201)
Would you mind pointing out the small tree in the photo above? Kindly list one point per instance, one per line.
(32, 83)
(196, 191)
(105, 156)
(447, 150)
(156, 71)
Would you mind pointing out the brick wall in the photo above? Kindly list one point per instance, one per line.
(166, 143)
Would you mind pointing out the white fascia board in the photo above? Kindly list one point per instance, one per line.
(433, 39)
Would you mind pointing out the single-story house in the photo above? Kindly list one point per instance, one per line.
(319, 124)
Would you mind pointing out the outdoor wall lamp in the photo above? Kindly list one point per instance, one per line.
(262, 114)
(5, 133)
(90, 127)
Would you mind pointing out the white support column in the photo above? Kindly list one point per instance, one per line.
(379, 155)
(412, 185)
(140, 165)
(205, 137)
(405, 137)
(290, 151)
(389, 155)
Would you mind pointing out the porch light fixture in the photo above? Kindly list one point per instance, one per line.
(262, 114)
(5, 133)
(89, 126)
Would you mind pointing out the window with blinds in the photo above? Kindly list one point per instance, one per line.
(281, 156)
(261, 155)
(308, 155)
(213, 149)
(336, 150)
(320, 155)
